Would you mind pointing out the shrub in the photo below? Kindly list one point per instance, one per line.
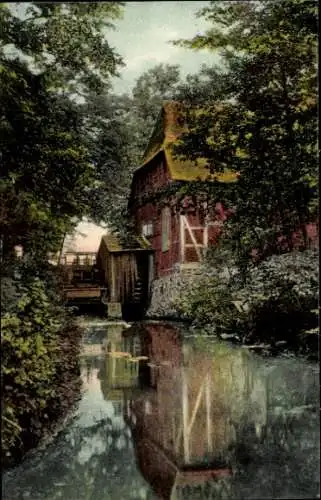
(32, 358)
(280, 295)
(278, 299)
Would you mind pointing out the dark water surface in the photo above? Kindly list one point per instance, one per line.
(163, 418)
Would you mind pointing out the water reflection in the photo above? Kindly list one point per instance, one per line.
(93, 457)
(188, 422)
(212, 418)
(189, 419)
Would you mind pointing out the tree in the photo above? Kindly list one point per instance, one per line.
(263, 125)
(51, 174)
(153, 87)
(53, 155)
(140, 110)
(45, 166)
(106, 138)
(65, 41)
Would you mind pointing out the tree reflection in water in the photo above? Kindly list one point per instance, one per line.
(218, 422)
(200, 419)
(93, 458)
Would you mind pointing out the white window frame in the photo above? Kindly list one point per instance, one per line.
(166, 228)
(147, 229)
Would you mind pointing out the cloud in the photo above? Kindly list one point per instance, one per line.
(142, 38)
(156, 56)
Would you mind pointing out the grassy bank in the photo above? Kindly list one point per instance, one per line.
(40, 374)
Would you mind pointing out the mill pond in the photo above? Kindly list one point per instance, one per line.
(164, 414)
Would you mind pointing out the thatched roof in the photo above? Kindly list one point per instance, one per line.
(115, 243)
(166, 132)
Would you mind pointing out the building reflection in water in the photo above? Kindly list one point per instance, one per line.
(186, 409)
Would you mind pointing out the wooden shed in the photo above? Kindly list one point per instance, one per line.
(127, 264)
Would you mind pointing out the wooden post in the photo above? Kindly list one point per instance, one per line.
(185, 417)
(196, 246)
(150, 272)
(196, 407)
(113, 279)
(113, 373)
(208, 412)
(182, 238)
(113, 307)
(205, 238)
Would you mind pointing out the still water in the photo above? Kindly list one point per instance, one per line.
(165, 418)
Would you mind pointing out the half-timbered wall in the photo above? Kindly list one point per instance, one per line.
(189, 234)
(188, 230)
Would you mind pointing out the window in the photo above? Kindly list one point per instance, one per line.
(19, 251)
(147, 229)
(166, 225)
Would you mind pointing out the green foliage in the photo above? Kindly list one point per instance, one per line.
(152, 88)
(140, 110)
(106, 137)
(261, 121)
(46, 167)
(40, 348)
(51, 178)
(65, 41)
(277, 301)
(209, 302)
(122, 126)
(29, 357)
(55, 154)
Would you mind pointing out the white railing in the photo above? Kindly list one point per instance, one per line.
(78, 259)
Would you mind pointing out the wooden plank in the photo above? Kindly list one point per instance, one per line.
(80, 293)
(182, 238)
(185, 417)
(113, 280)
(215, 223)
(205, 236)
(91, 349)
(150, 271)
(192, 237)
(208, 412)
(195, 409)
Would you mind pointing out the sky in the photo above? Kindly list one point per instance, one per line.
(86, 239)
(141, 38)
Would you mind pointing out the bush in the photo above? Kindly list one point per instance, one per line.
(208, 302)
(32, 355)
(280, 296)
(277, 300)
